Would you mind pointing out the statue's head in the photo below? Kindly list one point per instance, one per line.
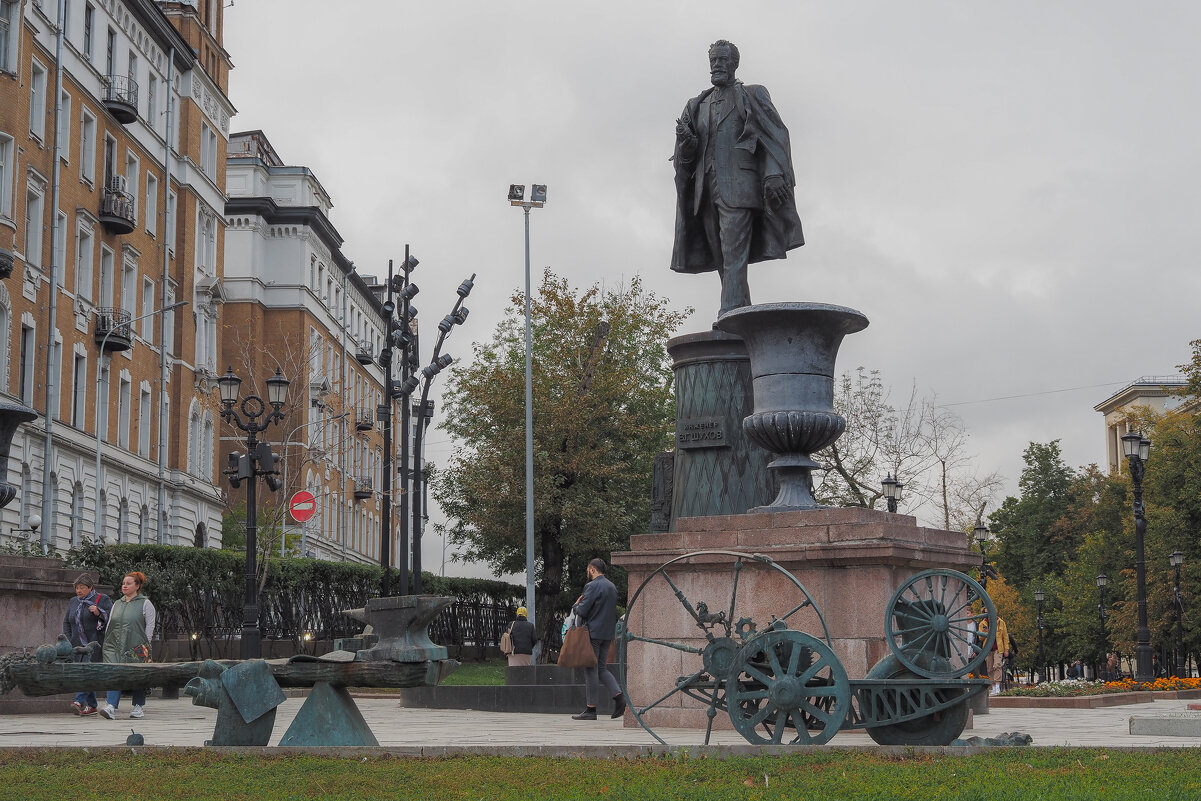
(723, 62)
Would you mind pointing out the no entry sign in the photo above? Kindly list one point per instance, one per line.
(302, 506)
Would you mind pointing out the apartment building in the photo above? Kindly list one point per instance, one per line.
(294, 302)
(111, 211)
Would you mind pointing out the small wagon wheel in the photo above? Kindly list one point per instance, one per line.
(699, 637)
(788, 684)
(932, 621)
(937, 728)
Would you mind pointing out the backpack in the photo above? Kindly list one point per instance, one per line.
(506, 641)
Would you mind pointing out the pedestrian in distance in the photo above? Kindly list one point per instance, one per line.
(127, 638)
(87, 615)
(597, 609)
(523, 638)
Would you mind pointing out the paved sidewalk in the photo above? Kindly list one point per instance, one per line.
(179, 723)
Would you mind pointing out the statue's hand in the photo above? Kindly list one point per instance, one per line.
(774, 191)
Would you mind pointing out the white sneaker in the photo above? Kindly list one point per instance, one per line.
(136, 712)
(108, 711)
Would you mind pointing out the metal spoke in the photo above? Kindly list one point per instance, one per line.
(774, 660)
(680, 685)
(757, 674)
(812, 671)
(778, 734)
(752, 695)
(683, 599)
(796, 609)
(760, 715)
(794, 659)
(733, 596)
(816, 712)
(679, 646)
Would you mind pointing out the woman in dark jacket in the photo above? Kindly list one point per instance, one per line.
(87, 615)
(524, 639)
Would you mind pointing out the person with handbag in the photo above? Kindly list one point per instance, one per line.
(522, 639)
(127, 638)
(596, 609)
(87, 613)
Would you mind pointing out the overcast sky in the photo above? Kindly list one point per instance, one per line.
(1008, 191)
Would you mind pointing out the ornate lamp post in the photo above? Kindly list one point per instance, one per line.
(980, 532)
(1102, 580)
(1137, 448)
(258, 461)
(1039, 597)
(537, 200)
(1176, 559)
(892, 491)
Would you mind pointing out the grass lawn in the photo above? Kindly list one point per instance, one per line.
(488, 672)
(1017, 774)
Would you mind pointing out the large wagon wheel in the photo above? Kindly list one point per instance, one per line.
(788, 684)
(932, 621)
(711, 632)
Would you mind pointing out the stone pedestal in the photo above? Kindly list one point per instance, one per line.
(850, 561)
(33, 600)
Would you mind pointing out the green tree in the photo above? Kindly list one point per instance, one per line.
(603, 407)
(1022, 524)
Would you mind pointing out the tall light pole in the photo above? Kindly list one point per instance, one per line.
(1176, 559)
(1102, 580)
(257, 461)
(1137, 448)
(99, 532)
(1039, 597)
(980, 532)
(537, 200)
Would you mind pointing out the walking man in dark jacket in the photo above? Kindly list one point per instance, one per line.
(597, 609)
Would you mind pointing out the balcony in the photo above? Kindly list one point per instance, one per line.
(118, 214)
(121, 98)
(363, 354)
(364, 420)
(362, 488)
(113, 331)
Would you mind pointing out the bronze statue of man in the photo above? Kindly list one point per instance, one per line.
(734, 181)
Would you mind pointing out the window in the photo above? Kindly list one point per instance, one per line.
(77, 514)
(5, 322)
(144, 525)
(152, 101)
(110, 160)
(28, 354)
(110, 52)
(169, 232)
(89, 16)
(37, 101)
(131, 181)
(64, 129)
(60, 249)
(169, 323)
(132, 73)
(79, 385)
(34, 225)
(8, 33)
(147, 309)
(84, 247)
(151, 210)
(7, 148)
(123, 400)
(208, 151)
(105, 298)
(144, 423)
(87, 146)
(104, 392)
(56, 373)
(206, 260)
(66, 19)
(129, 287)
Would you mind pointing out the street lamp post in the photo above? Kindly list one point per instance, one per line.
(892, 491)
(257, 461)
(537, 200)
(980, 532)
(1176, 559)
(1039, 597)
(424, 409)
(1137, 448)
(99, 531)
(1102, 580)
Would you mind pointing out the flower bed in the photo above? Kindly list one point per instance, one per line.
(1074, 688)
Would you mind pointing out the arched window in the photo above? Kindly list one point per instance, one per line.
(77, 514)
(205, 459)
(122, 520)
(102, 508)
(6, 317)
(144, 525)
(52, 524)
(200, 540)
(194, 439)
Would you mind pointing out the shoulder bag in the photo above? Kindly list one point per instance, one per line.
(577, 649)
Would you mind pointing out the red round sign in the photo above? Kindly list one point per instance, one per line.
(302, 506)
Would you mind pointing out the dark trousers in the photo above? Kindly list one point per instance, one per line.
(728, 231)
(598, 673)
